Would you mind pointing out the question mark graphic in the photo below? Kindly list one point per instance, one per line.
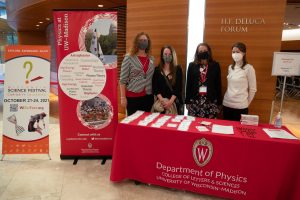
(29, 71)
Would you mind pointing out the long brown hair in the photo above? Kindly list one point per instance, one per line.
(173, 64)
(134, 48)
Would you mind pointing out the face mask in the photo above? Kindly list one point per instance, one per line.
(167, 58)
(203, 55)
(237, 57)
(143, 44)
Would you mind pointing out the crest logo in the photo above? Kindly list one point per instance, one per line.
(202, 151)
(90, 145)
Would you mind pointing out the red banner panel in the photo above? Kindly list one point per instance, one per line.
(86, 45)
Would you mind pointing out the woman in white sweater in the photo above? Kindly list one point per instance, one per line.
(241, 85)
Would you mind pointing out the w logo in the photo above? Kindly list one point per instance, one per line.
(202, 152)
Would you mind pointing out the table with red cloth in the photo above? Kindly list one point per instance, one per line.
(246, 165)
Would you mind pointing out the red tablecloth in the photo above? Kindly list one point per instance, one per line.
(246, 165)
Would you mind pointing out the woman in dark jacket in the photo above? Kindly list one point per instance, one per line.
(203, 86)
(167, 80)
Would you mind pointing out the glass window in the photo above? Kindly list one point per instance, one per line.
(8, 35)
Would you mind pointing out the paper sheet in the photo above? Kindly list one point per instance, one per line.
(190, 118)
(148, 119)
(279, 133)
(222, 129)
(184, 125)
(201, 128)
(205, 123)
(161, 121)
(171, 125)
(132, 117)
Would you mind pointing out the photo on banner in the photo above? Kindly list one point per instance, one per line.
(86, 45)
(26, 100)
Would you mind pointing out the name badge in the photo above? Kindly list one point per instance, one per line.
(202, 90)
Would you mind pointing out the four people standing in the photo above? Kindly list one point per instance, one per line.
(203, 85)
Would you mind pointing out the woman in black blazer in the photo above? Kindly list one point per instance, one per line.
(203, 85)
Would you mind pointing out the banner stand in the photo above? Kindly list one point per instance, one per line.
(282, 94)
(281, 101)
(271, 114)
(284, 64)
(76, 158)
(26, 100)
(87, 75)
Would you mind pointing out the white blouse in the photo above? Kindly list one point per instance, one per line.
(241, 87)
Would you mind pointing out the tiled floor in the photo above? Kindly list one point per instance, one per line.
(35, 177)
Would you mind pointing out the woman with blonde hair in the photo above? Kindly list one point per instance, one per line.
(136, 76)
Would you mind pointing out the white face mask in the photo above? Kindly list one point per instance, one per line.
(237, 57)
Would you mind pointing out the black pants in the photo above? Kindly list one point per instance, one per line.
(139, 103)
(233, 114)
(180, 108)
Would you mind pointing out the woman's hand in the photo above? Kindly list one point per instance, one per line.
(167, 104)
(124, 102)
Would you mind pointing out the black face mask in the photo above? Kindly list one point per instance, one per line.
(203, 55)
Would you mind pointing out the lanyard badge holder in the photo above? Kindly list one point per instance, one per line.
(203, 87)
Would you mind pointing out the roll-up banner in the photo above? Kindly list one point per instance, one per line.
(26, 100)
(86, 45)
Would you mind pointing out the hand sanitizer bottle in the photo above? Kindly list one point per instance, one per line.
(278, 120)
